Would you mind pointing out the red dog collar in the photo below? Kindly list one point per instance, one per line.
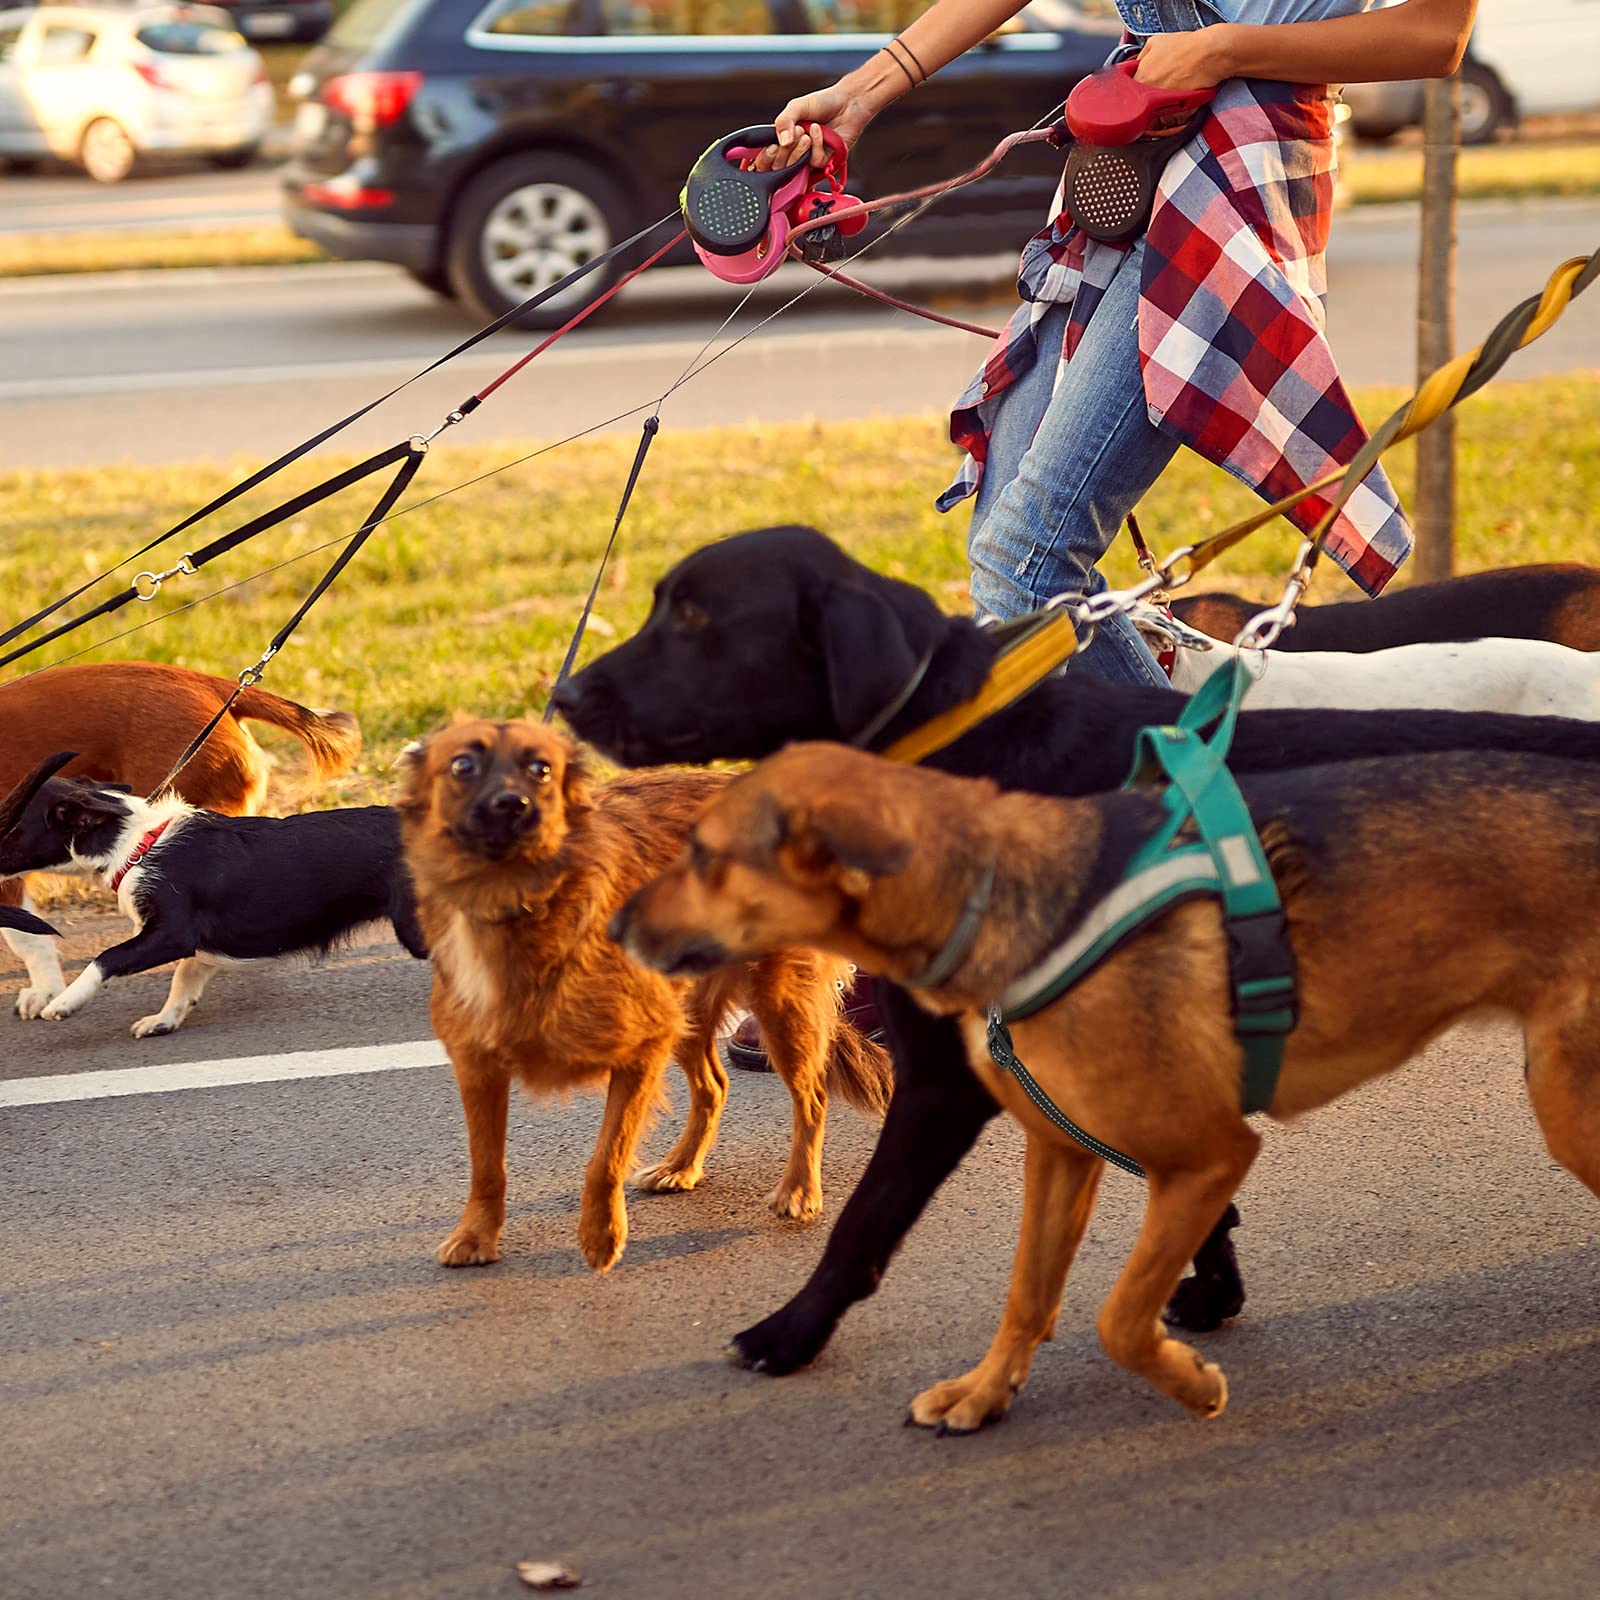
(140, 851)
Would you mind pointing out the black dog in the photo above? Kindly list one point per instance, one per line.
(205, 889)
(1559, 601)
(777, 635)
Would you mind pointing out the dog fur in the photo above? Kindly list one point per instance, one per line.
(212, 889)
(1558, 601)
(1527, 677)
(520, 859)
(817, 645)
(129, 721)
(875, 861)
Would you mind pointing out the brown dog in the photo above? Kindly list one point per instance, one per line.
(1418, 890)
(519, 862)
(129, 721)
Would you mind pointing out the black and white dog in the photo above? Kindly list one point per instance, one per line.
(20, 920)
(205, 890)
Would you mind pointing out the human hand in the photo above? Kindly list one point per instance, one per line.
(1197, 60)
(800, 125)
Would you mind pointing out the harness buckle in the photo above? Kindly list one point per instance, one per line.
(1261, 972)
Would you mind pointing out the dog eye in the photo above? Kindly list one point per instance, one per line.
(691, 618)
(539, 770)
(464, 766)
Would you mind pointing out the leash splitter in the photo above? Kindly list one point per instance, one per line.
(1122, 134)
(739, 220)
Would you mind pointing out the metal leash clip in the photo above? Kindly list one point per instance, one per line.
(1265, 628)
(251, 676)
(185, 568)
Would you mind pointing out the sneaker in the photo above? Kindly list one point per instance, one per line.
(744, 1047)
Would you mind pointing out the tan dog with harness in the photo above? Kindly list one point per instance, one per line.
(1425, 923)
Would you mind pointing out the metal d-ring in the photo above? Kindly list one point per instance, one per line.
(185, 568)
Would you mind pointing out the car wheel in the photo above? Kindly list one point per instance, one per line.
(107, 153)
(524, 224)
(434, 279)
(1485, 105)
(229, 160)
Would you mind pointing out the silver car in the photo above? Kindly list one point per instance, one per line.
(108, 87)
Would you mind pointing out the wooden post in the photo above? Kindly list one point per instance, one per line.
(1434, 504)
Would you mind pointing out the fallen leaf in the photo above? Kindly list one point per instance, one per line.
(99, 1344)
(548, 1575)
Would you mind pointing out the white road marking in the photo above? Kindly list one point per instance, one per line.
(222, 1074)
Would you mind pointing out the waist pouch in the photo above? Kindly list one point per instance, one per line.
(1110, 190)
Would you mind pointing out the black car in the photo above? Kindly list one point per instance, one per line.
(490, 146)
(269, 21)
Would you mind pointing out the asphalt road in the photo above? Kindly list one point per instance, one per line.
(63, 200)
(233, 1369)
(156, 367)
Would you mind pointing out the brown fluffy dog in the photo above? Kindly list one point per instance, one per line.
(1418, 890)
(520, 861)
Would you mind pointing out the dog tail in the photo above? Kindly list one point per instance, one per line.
(860, 1070)
(332, 738)
(25, 922)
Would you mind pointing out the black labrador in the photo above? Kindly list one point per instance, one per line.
(777, 635)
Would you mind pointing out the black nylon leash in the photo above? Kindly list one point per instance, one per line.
(652, 426)
(252, 675)
(289, 457)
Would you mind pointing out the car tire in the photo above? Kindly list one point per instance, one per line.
(106, 152)
(232, 160)
(1485, 106)
(523, 224)
(434, 279)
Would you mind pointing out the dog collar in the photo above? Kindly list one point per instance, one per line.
(1021, 666)
(958, 946)
(140, 851)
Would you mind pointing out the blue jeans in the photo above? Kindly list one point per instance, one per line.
(1063, 472)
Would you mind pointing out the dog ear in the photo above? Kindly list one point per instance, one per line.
(84, 805)
(412, 778)
(15, 803)
(856, 838)
(577, 785)
(869, 659)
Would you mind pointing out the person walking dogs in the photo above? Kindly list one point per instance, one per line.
(1206, 331)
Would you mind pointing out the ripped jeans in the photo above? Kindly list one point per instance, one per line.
(1063, 472)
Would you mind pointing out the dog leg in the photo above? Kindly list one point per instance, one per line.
(1062, 1181)
(938, 1110)
(603, 1222)
(684, 1164)
(797, 1038)
(1214, 1291)
(485, 1088)
(150, 947)
(1180, 1212)
(1564, 1086)
(188, 984)
(37, 953)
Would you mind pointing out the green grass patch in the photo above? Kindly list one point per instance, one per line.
(1483, 172)
(270, 245)
(468, 603)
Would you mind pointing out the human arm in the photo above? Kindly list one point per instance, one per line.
(943, 32)
(1417, 39)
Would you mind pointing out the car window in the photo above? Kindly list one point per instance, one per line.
(10, 32)
(623, 19)
(542, 17)
(189, 39)
(61, 44)
(863, 16)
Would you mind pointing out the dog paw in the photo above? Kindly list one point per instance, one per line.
(664, 1179)
(1202, 1305)
(1205, 1389)
(465, 1248)
(56, 1012)
(782, 1344)
(962, 1405)
(798, 1202)
(601, 1237)
(32, 1002)
(153, 1027)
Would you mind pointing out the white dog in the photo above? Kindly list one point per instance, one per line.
(1529, 677)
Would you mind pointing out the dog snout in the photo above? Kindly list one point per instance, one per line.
(508, 805)
(680, 955)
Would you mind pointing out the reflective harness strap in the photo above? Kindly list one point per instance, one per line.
(1226, 861)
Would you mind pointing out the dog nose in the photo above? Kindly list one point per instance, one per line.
(507, 804)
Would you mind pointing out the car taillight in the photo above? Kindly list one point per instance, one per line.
(371, 99)
(153, 75)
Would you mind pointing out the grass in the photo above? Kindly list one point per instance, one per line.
(469, 602)
(268, 245)
(1483, 172)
